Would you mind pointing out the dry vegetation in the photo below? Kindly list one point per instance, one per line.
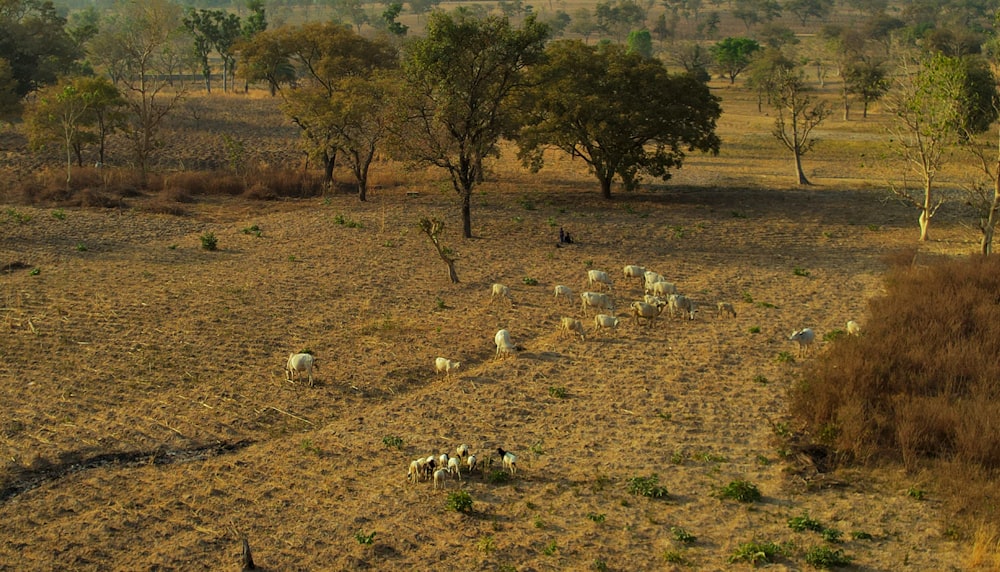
(147, 423)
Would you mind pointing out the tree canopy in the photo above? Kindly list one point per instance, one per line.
(459, 78)
(622, 113)
(732, 56)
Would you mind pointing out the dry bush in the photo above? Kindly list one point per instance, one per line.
(985, 554)
(279, 183)
(923, 381)
(205, 183)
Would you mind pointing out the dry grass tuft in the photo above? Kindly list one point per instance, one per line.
(985, 551)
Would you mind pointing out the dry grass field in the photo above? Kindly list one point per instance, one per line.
(147, 423)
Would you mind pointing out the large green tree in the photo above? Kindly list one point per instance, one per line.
(733, 55)
(35, 44)
(459, 78)
(622, 113)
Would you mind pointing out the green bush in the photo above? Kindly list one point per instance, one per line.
(647, 487)
(681, 535)
(741, 491)
(209, 242)
(755, 552)
(826, 557)
(363, 538)
(803, 522)
(393, 441)
(459, 501)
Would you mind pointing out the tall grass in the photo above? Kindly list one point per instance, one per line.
(923, 383)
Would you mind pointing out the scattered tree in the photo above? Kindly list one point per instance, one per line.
(433, 229)
(459, 78)
(623, 114)
(867, 79)
(732, 56)
(797, 114)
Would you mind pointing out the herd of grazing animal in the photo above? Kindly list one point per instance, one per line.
(437, 468)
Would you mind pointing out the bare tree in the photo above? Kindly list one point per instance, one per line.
(797, 114)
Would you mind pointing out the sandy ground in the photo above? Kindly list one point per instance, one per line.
(147, 423)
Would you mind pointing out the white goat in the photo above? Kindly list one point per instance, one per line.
(682, 305)
(598, 277)
(663, 289)
(572, 325)
(462, 451)
(596, 300)
(725, 308)
(413, 474)
(500, 291)
(633, 271)
(505, 347)
(453, 465)
(509, 460)
(470, 462)
(853, 328)
(648, 311)
(439, 476)
(804, 337)
(446, 365)
(563, 292)
(299, 364)
(650, 278)
(602, 321)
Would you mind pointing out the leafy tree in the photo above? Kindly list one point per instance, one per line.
(848, 47)
(805, 10)
(753, 12)
(137, 42)
(360, 115)
(203, 29)
(557, 21)
(255, 23)
(617, 17)
(640, 42)
(58, 114)
(389, 19)
(583, 23)
(35, 44)
(766, 68)
(931, 103)
(324, 55)
(265, 57)
(623, 114)
(10, 101)
(867, 79)
(775, 35)
(732, 56)
(459, 78)
(797, 113)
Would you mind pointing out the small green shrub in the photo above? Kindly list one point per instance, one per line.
(766, 305)
(741, 491)
(600, 565)
(308, 447)
(760, 379)
(393, 441)
(487, 544)
(552, 221)
(678, 231)
(755, 552)
(59, 214)
(677, 457)
(81, 247)
(874, 227)
(747, 297)
(559, 392)
(17, 216)
(550, 548)
(365, 539)
(826, 557)
(459, 501)
(172, 247)
(860, 535)
(915, 493)
(596, 517)
(498, 477)
(647, 487)
(674, 557)
(254, 230)
(527, 204)
(803, 522)
(529, 281)
(35, 271)
(754, 329)
(832, 535)
(800, 271)
(536, 449)
(681, 535)
(785, 357)
(833, 335)
(209, 242)
(538, 522)
(709, 458)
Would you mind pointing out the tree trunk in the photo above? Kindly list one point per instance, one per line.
(329, 162)
(925, 222)
(605, 187)
(800, 176)
(467, 213)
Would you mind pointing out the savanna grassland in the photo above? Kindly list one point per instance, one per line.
(147, 423)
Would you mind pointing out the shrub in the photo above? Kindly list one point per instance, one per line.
(647, 487)
(598, 518)
(209, 242)
(498, 477)
(393, 441)
(59, 214)
(933, 400)
(550, 548)
(674, 557)
(559, 392)
(826, 557)
(459, 501)
(681, 535)
(529, 281)
(755, 552)
(741, 491)
(363, 538)
(800, 271)
(803, 523)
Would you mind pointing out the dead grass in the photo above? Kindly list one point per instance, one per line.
(144, 342)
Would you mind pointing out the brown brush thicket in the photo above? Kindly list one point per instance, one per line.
(923, 381)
